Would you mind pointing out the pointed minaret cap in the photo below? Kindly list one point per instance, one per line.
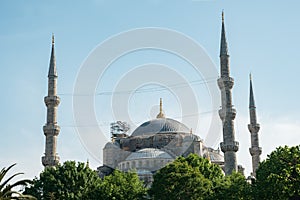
(251, 97)
(52, 67)
(222, 15)
(223, 48)
(160, 114)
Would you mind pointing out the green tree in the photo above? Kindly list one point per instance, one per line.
(278, 177)
(67, 181)
(233, 186)
(121, 185)
(7, 190)
(193, 177)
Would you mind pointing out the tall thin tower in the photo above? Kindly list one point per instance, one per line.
(227, 113)
(51, 129)
(254, 127)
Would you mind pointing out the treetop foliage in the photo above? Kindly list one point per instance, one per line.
(278, 177)
(189, 178)
(72, 181)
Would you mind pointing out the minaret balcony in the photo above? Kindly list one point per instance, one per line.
(51, 129)
(234, 146)
(52, 101)
(227, 113)
(49, 161)
(253, 128)
(225, 82)
(255, 151)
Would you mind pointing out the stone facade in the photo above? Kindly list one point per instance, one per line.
(51, 129)
(152, 145)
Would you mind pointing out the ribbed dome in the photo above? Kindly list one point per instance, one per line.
(160, 125)
(148, 153)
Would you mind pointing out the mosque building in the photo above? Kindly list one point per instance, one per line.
(157, 142)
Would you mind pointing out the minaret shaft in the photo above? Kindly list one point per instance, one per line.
(51, 129)
(227, 113)
(52, 85)
(254, 127)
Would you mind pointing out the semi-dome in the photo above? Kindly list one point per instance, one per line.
(149, 153)
(215, 157)
(160, 125)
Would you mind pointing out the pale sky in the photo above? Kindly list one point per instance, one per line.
(263, 38)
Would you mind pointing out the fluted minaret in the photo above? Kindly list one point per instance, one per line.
(227, 113)
(253, 127)
(51, 129)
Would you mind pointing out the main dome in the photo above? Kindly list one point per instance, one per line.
(160, 125)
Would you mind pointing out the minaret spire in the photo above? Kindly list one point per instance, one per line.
(227, 113)
(52, 66)
(51, 129)
(224, 47)
(253, 127)
(251, 96)
(161, 113)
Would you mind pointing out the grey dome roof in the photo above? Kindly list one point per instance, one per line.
(160, 125)
(215, 157)
(148, 153)
(110, 145)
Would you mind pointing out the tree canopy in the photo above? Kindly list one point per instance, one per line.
(72, 181)
(67, 181)
(195, 177)
(278, 177)
(122, 185)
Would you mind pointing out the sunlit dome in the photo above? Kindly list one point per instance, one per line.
(160, 125)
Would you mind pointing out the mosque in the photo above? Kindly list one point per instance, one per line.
(159, 141)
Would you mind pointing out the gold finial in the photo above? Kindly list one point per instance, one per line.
(160, 105)
(52, 38)
(222, 15)
(160, 114)
(250, 76)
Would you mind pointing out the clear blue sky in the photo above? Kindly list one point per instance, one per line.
(263, 38)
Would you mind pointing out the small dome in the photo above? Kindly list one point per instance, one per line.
(216, 157)
(110, 145)
(160, 125)
(148, 153)
(143, 172)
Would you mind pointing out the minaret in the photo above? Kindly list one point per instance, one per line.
(227, 113)
(253, 127)
(51, 129)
